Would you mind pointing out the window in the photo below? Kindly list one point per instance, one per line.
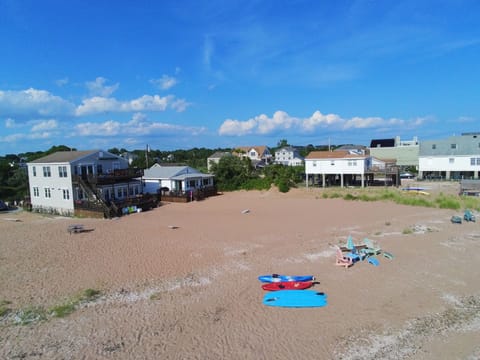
(472, 161)
(332, 162)
(47, 193)
(191, 183)
(66, 194)
(36, 192)
(478, 161)
(453, 146)
(34, 170)
(352, 162)
(314, 163)
(119, 192)
(46, 171)
(62, 171)
(434, 146)
(451, 160)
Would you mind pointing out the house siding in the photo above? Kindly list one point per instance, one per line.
(55, 186)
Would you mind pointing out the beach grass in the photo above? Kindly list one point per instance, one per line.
(442, 201)
(4, 309)
(34, 314)
(30, 314)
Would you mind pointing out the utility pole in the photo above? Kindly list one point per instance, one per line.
(146, 157)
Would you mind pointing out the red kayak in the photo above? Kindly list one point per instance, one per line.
(287, 285)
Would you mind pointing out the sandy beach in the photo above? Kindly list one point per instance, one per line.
(180, 281)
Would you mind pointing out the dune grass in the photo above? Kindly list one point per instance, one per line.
(440, 200)
(33, 314)
(4, 308)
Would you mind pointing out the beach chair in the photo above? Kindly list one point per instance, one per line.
(456, 219)
(370, 248)
(342, 260)
(468, 216)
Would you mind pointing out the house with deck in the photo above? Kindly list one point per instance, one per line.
(178, 181)
(93, 183)
(452, 158)
(347, 168)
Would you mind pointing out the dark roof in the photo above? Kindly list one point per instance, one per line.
(63, 156)
(382, 143)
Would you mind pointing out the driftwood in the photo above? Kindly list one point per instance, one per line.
(78, 228)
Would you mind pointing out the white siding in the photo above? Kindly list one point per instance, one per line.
(335, 166)
(55, 185)
(444, 163)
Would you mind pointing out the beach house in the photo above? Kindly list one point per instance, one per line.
(93, 183)
(347, 168)
(259, 155)
(452, 158)
(180, 181)
(288, 156)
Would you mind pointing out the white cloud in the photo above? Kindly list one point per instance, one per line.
(99, 104)
(165, 82)
(33, 103)
(138, 125)
(44, 125)
(107, 128)
(282, 122)
(10, 123)
(318, 119)
(62, 82)
(180, 105)
(98, 87)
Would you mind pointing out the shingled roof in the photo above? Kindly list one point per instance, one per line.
(64, 156)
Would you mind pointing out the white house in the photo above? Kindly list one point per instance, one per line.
(178, 179)
(336, 167)
(65, 181)
(456, 157)
(288, 156)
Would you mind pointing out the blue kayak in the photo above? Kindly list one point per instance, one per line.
(282, 278)
(295, 298)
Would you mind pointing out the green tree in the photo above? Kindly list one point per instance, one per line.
(282, 143)
(232, 172)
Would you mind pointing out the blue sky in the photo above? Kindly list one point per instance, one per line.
(183, 74)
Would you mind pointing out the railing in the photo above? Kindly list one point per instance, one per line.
(117, 175)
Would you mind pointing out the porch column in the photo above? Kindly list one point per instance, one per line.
(363, 180)
(341, 180)
(323, 180)
(447, 175)
(306, 180)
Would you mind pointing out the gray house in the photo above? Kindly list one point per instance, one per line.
(456, 157)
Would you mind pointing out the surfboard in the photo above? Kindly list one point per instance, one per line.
(283, 278)
(287, 285)
(295, 298)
